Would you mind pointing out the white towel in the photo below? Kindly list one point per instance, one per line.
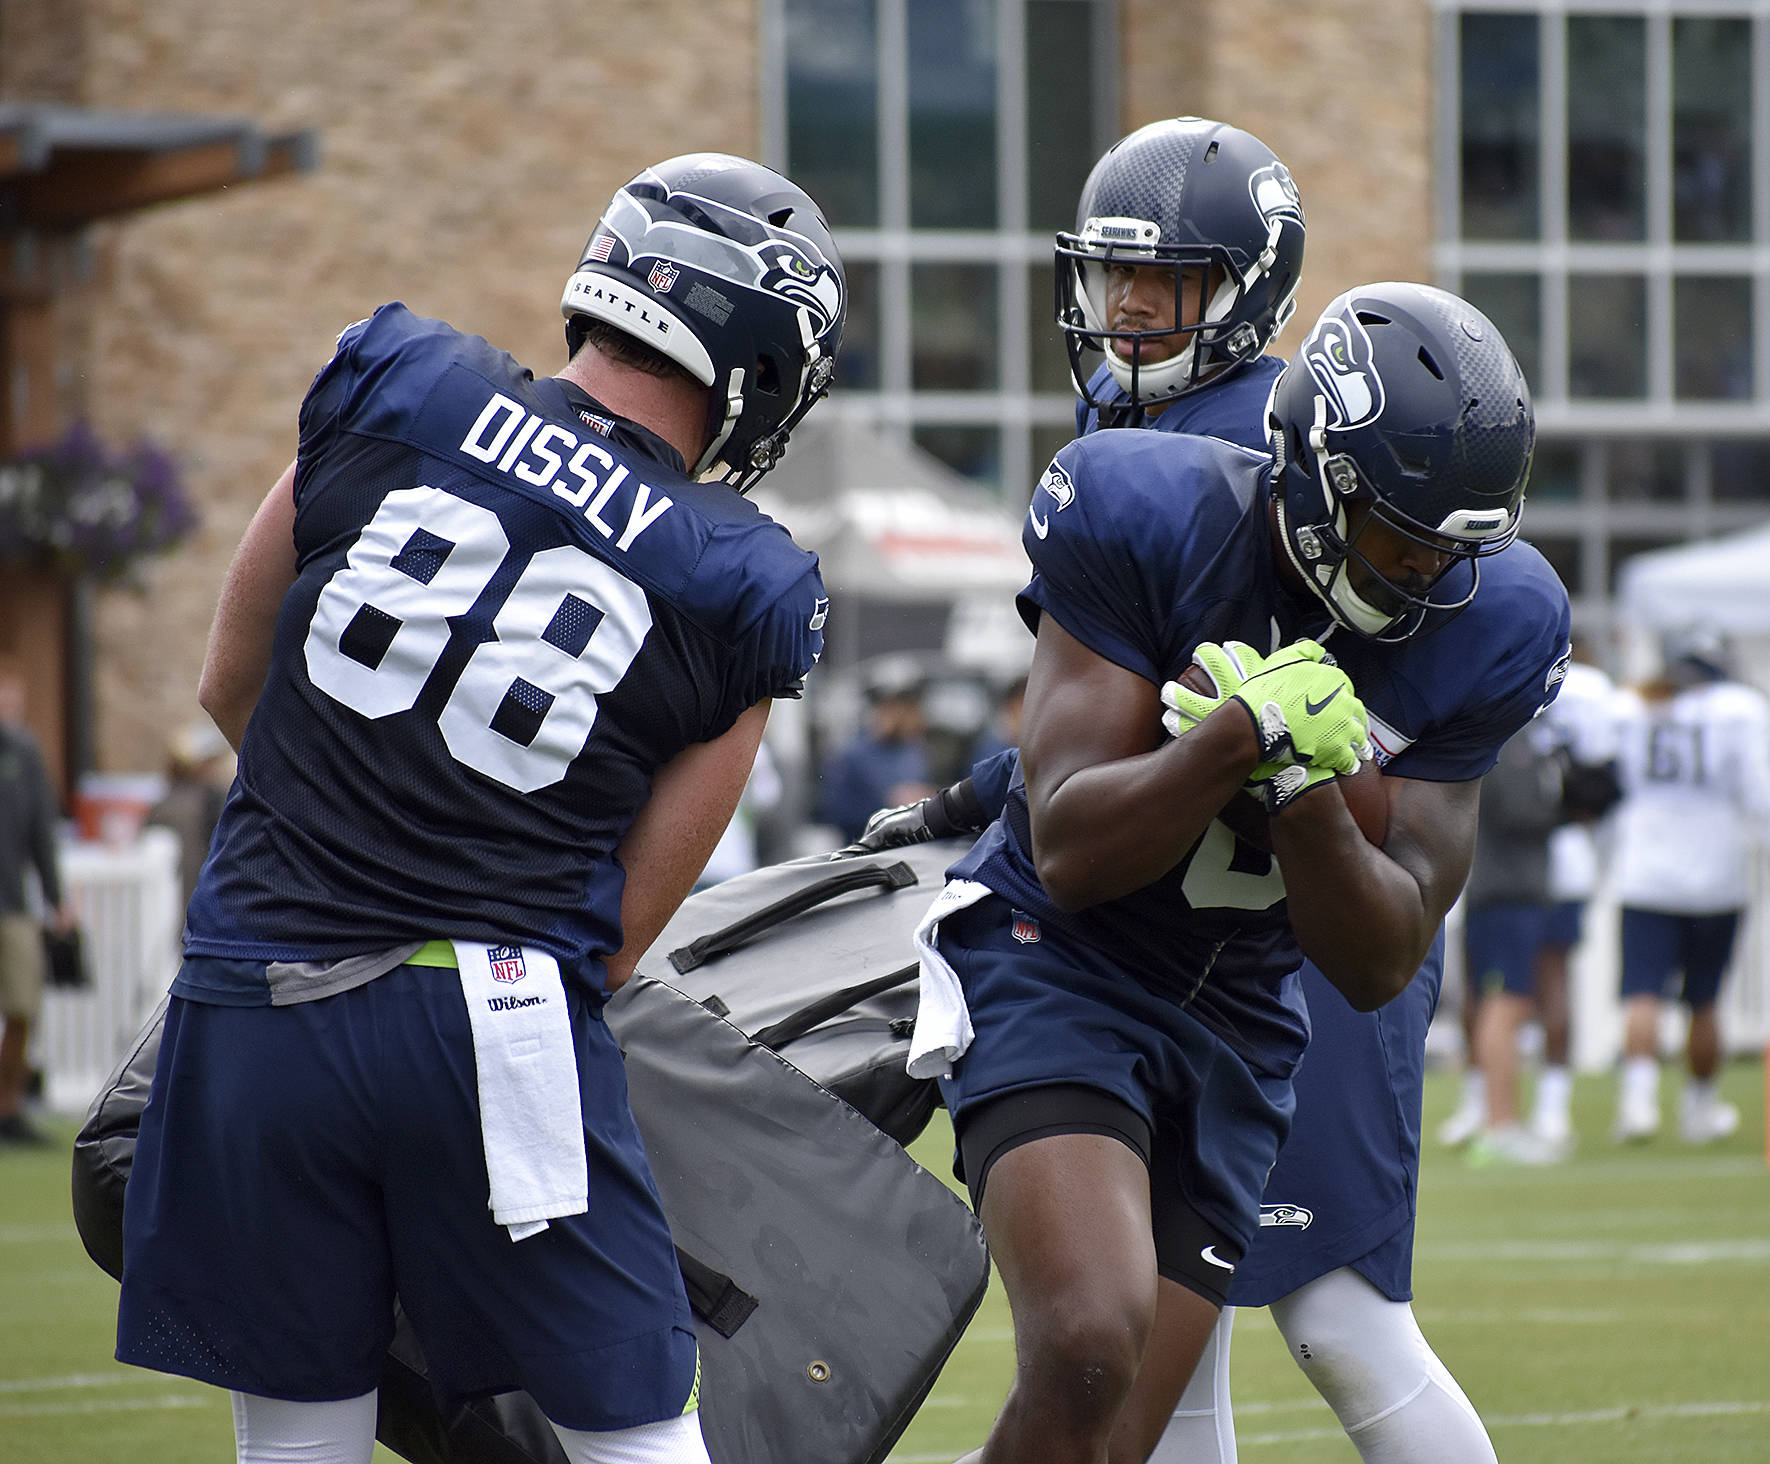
(943, 1022)
(529, 1115)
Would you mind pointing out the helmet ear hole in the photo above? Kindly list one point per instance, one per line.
(768, 376)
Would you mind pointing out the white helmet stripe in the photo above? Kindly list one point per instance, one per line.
(604, 297)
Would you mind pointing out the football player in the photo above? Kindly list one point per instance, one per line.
(1132, 986)
(497, 655)
(1694, 764)
(1189, 238)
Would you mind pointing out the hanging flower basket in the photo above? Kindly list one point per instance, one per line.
(79, 507)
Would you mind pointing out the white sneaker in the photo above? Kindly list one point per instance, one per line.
(1555, 1130)
(1462, 1126)
(1703, 1119)
(1637, 1118)
(1512, 1146)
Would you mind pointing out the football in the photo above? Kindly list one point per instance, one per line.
(1363, 791)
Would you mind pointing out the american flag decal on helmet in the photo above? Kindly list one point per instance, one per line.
(602, 247)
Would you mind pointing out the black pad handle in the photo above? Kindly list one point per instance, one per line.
(717, 1300)
(722, 942)
(814, 1014)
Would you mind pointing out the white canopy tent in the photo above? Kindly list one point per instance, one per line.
(1725, 581)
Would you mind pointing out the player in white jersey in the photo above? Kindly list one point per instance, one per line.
(1582, 720)
(1694, 764)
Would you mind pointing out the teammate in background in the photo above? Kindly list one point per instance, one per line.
(1506, 912)
(1220, 228)
(886, 760)
(1580, 726)
(1122, 1012)
(1694, 765)
(497, 663)
(1581, 720)
(28, 810)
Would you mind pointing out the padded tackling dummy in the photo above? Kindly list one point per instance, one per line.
(815, 959)
(831, 1276)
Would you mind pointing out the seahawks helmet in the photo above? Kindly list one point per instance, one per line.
(1184, 192)
(728, 269)
(1697, 652)
(1404, 398)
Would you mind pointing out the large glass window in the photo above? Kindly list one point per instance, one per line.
(1606, 127)
(948, 141)
(954, 327)
(1600, 204)
(833, 107)
(1499, 126)
(952, 87)
(1060, 136)
(1607, 336)
(1713, 315)
(1711, 128)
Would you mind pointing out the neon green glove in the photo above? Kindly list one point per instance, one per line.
(1227, 665)
(1305, 711)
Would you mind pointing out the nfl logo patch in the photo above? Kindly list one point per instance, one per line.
(506, 963)
(663, 275)
(1025, 928)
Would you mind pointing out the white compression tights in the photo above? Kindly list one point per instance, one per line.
(1366, 1356)
(671, 1441)
(271, 1431)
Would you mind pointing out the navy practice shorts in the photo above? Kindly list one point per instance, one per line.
(1657, 947)
(1346, 1184)
(1500, 943)
(1563, 927)
(1057, 1011)
(298, 1166)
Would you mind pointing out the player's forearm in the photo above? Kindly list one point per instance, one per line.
(238, 655)
(1361, 917)
(1114, 828)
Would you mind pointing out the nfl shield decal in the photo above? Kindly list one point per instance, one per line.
(1025, 929)
(506, 963)
(663, 275)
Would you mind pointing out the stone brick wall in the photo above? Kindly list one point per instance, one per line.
(1341, 92)
(466, 150)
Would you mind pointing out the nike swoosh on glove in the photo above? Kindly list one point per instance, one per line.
(1304, 711)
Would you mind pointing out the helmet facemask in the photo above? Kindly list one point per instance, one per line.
(1324, 546)
(1215, 338)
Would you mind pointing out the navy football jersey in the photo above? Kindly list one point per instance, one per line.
(510, 609)
(1233, 408)
(1143, 545)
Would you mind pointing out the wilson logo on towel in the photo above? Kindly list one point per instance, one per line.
(506, 963)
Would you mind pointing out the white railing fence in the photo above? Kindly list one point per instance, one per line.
(128, 903)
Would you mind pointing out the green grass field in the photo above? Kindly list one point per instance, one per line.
(1615, 1310)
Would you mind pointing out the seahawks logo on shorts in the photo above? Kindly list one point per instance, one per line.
(1293, 1215)
(1339, 356)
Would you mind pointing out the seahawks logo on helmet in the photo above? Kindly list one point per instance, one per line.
(812, 284)
(1275, 193)
(1340, 358)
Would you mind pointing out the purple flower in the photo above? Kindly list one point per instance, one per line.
(91, 511)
